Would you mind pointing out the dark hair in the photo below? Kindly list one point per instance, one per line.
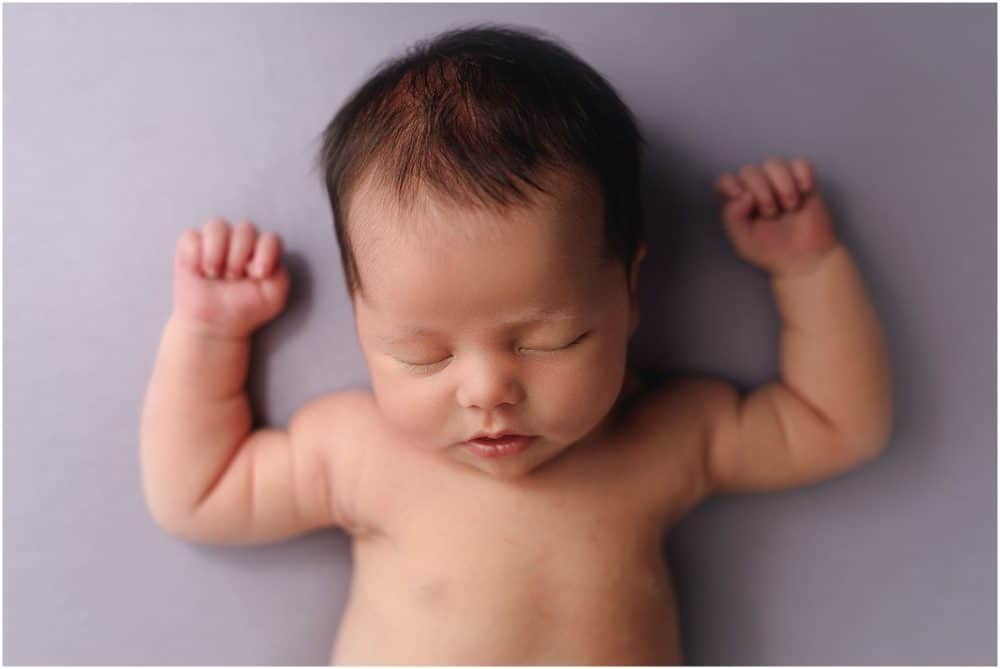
(472, 112)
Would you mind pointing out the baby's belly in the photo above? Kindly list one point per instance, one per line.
(585, 611)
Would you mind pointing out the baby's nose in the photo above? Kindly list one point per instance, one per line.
(488, 388)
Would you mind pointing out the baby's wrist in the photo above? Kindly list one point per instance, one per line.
(809, 266)
(205, 331)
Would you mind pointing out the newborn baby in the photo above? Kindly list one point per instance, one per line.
(508, 480)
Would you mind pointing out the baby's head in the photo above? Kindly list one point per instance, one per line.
(485, 194)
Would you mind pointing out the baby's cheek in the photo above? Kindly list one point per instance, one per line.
(409, 409)
(580, 398)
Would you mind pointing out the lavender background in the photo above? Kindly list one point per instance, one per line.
(125, 124)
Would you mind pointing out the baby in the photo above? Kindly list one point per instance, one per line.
(509, 479)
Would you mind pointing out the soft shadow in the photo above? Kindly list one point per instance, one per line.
(271, 336)
(684, 236)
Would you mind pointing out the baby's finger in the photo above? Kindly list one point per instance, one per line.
(241, 245)
(782, 181)
(758, 184)
(735, 218)
(736, 212)
(188, 254)
(802, 171)
(265, 256)
(215, 240)
(728, 186)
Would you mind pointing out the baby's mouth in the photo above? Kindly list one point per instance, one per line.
(509, 444)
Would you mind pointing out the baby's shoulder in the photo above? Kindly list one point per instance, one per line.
(663, 428)
(352, 434)
(661, 405)
(378, 469)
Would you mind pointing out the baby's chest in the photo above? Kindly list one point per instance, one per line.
(548, 554)
(540, 590)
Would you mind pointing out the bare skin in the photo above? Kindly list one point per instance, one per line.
(562, 567)
(551, 556)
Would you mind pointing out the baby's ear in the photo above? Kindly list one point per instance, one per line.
(633, 279)
(633, 287)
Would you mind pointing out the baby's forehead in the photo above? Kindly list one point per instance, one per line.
(466, 243)
(521, 270)
(382, 230)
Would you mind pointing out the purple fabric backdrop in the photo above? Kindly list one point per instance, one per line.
(124, 124)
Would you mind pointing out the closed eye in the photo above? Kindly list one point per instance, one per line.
(560, 348)
(421, 365)
(424, 365)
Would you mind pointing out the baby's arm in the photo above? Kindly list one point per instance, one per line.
(206, 477)
(832, 408)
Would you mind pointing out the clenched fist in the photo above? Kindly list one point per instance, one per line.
(775, 217)
(228, 282)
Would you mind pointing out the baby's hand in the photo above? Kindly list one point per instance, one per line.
(791, 231)
(226, 284)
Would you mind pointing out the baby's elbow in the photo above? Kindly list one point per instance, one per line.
(169, 522)
(881, 421)
(179, 525)
(192, 534)
(871, 441)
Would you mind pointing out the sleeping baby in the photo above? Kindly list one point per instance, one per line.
(509, 478)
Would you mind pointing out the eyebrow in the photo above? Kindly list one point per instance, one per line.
(535, 316)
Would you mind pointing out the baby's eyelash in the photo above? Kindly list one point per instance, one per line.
(563, 348)
(424, 366)
(420, 366)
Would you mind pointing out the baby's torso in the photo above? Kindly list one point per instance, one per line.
(564, 567)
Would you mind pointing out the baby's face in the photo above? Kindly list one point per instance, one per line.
(478, 322)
